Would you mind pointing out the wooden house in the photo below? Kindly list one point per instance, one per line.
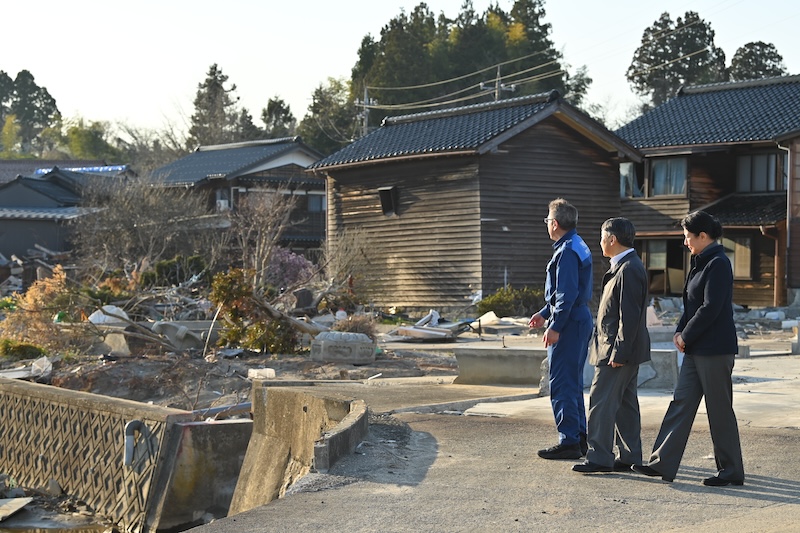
(453, 200)
(226, 172)
(37, 209)
(730, 149)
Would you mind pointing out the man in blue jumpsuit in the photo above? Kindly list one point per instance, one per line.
(567, 292)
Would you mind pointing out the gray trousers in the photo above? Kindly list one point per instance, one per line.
(709, 376)
(614, 419)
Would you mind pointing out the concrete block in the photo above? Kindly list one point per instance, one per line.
(661, 333)
(343, 347)
(480, 366)
(261, 373)
(180, 336)
(664, 364)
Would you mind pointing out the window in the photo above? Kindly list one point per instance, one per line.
(316, 203)
(668, 176)
(656, 254)
(761, 172)
(630, 184)
(390, 200)
(739, 253)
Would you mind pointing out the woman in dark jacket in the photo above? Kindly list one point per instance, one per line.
(706, 334)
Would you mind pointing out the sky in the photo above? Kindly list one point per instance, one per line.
(141, 62)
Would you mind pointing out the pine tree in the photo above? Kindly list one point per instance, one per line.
(756, 60)
(215, 116)
(673, 54)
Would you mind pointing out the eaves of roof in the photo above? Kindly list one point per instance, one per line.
(749, 209)
(469, 130)
(720, 114)
(226, 162)
(43, 213)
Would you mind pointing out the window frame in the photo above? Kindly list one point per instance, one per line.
(742, 267)
(775, 175)
(669, 162)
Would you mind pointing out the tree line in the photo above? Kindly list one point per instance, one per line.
(420, 62)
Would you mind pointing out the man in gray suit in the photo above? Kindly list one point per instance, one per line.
(620, 343)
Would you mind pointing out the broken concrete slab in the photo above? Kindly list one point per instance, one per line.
(9, 506)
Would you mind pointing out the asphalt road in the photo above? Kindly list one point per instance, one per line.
(454, 458)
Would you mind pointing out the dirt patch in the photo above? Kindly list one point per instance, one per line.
(189, 383)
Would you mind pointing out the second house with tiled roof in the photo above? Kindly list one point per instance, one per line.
(452, 201)
(732, 149)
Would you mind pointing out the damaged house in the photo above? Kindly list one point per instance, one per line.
(227, 172)
(732, 149)
(453, 200)
(36, 212)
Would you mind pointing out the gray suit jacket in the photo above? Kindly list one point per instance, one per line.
(620, 332)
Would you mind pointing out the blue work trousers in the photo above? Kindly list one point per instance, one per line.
(566, 360)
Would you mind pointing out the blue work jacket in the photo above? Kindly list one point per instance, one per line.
(568, 286)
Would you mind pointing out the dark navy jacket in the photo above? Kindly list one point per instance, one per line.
(568, 286)
(707, 324)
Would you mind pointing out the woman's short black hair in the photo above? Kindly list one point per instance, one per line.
(700, 221)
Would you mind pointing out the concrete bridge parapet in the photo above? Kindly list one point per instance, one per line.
(144, 467)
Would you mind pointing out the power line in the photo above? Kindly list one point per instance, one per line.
(475, 73)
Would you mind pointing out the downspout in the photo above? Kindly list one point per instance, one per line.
(789, 199)
(775, 263)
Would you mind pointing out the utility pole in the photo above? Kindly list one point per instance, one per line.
(365, 113)
(498, 86)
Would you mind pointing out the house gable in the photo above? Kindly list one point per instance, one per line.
(229, 161)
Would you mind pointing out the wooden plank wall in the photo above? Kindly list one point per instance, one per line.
(519, 181)
(429, 255)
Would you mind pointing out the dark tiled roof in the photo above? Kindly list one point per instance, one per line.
(225, 161)
(740, 209)
(440, 132)
(11, 168)
(721, 113)
(54, 190)
(42, 213)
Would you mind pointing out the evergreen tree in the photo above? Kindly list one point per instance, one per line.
(673, 54)
(422, 63)
(33, 108)
(246, 130)
(6, 93)
(756, 60)
(331, 122)
(278, 119)
(90, 142)
(215, 118)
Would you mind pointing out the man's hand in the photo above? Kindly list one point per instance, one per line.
(677, 340)
(612, 364)
(550, 337)
(536, 321)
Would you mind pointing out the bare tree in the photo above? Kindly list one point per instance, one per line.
(258, 223)
(132, 224)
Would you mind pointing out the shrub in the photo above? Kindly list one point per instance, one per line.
(512, 302)
(357, 324)
(247, 324)
(16, 351)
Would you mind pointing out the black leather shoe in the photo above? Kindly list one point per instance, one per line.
(650, 471)
(561, 451)
(588, 467)
(584, 444)
(715, 481)
(619, 466)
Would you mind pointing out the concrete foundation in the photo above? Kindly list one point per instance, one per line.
(482, 366)
(293, 432)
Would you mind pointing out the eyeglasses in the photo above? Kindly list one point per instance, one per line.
(548, 220)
